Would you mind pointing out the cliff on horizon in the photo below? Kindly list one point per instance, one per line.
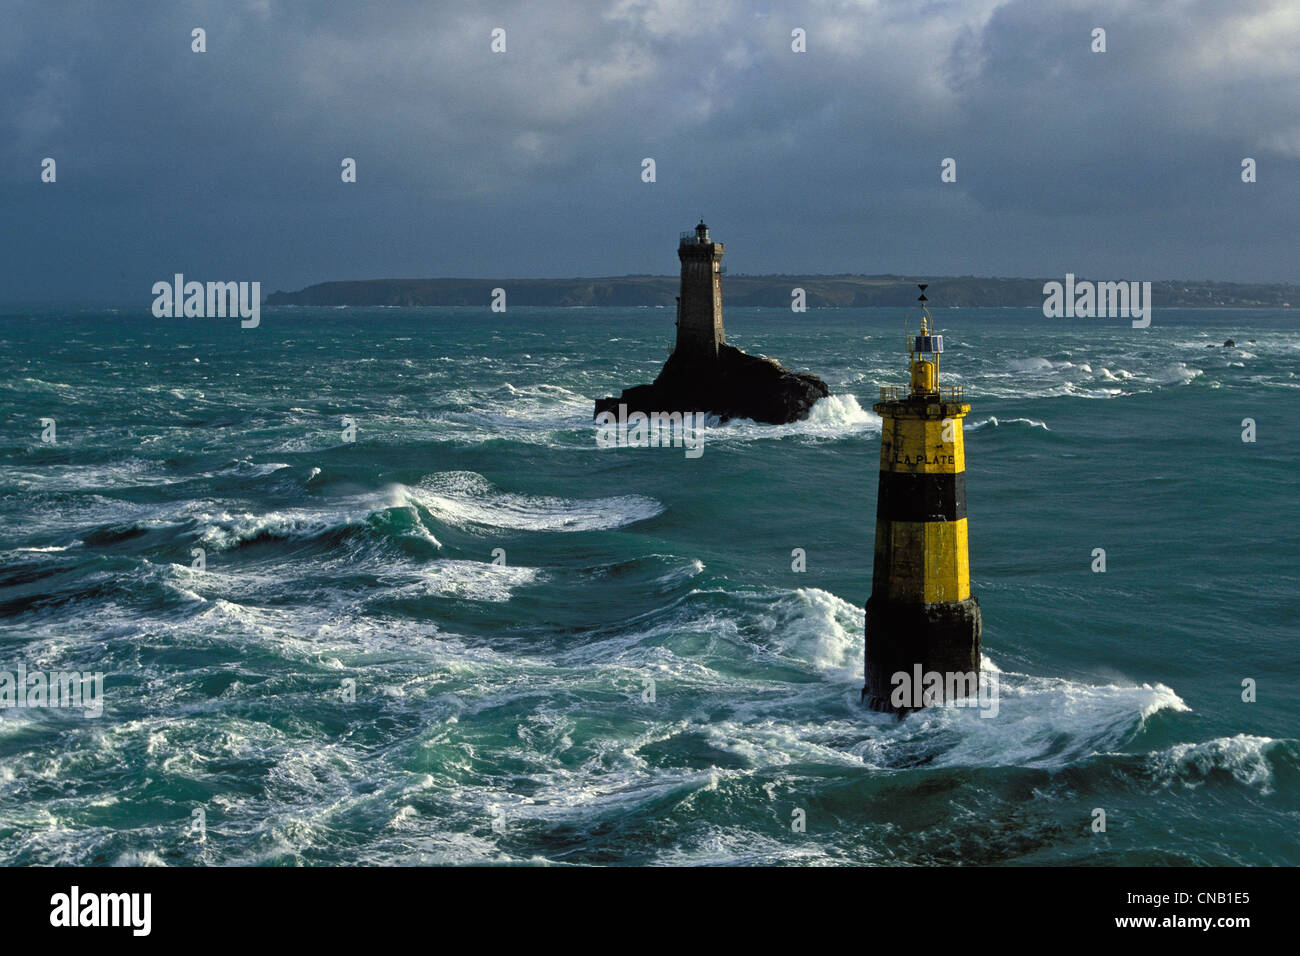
(836, 291)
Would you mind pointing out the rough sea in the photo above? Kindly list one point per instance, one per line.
(470, 635)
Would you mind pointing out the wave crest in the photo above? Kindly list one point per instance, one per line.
(466, 499)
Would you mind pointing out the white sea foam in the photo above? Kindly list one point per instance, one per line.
(470, 580)
(128, 473)
(1175, 374)
(836, 416)
(467, 499)
(1043, 722)
(739, 846)
(1109, 367)
(1244, 757)
(247, 467)
(450, 578)
(994, 422)
(681, 573)
(816, 626)
(223, 530)
(1032, 365)
(540, 414)
(767, 679)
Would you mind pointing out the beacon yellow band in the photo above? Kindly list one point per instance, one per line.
(929, 561)
(916, 445)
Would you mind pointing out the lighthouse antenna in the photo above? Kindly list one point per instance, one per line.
(927, 326)
(926, 321)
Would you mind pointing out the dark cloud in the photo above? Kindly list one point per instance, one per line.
(226, 164)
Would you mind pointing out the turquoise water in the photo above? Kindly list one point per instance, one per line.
(500, 711)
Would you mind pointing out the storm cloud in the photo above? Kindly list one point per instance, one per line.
(225, 164)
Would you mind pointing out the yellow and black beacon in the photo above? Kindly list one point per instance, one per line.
(921, 617)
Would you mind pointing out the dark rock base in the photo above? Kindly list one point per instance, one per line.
(943, 638)
(734, 385)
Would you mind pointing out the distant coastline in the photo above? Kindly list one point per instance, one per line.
(836, 291)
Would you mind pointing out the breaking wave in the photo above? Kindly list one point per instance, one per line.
(466, 499)
(994, 422)
(833, 417)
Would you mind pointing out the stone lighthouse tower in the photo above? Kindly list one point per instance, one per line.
(699, 307)
(921, 617)
(704, 373)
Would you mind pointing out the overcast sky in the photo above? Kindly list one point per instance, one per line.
(225, 165)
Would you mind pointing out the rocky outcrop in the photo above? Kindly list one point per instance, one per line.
(735, 384)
